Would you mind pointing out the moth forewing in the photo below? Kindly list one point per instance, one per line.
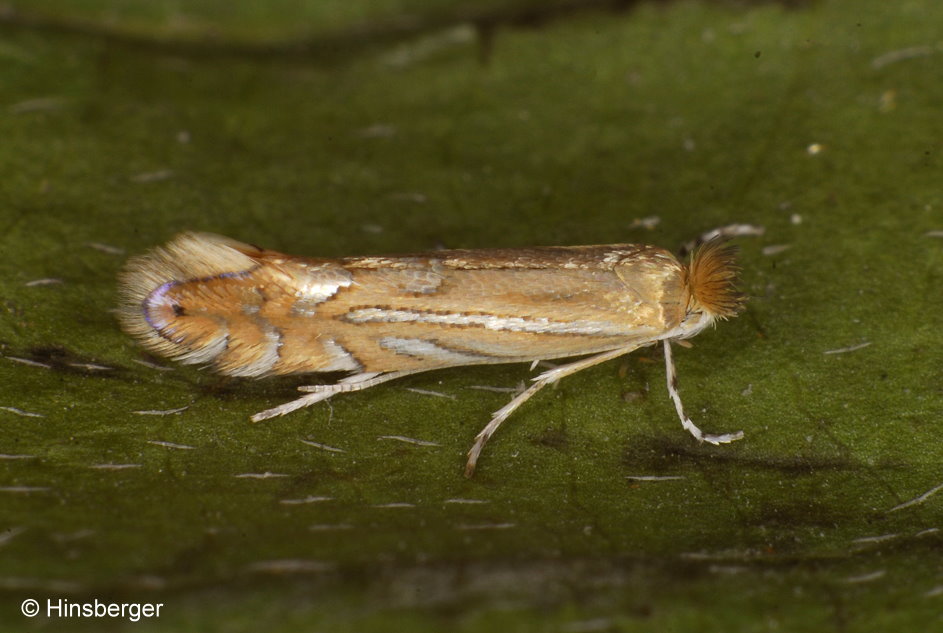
(252, 312)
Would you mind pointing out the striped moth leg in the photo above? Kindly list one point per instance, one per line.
(318, 393)
(552, 376)
(672, 378)
(541, 381)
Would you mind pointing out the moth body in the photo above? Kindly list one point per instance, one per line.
(252, 312)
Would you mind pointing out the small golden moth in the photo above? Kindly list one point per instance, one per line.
(253, 312)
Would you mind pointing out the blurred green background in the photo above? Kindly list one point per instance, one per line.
(340, 128)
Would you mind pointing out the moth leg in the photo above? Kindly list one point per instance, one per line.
(541, 381)
(317, 393)
(686, 422)
(358, 382)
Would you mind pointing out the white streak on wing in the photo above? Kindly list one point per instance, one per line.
(319, 286)
(207, 352)
(668, 259)
(536, 325)
(321, 290)
(155, 300)
(341, 359)
(268, 359)
(614, 257)
(420, 348)
(422, 282)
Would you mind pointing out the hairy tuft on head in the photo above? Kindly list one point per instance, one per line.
(712, 278)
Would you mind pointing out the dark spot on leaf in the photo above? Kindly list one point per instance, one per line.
(661, 455)
(554, 438)
(63, 360)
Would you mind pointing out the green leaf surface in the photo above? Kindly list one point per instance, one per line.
(592, 509)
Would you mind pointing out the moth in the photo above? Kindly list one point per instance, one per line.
(247, 311)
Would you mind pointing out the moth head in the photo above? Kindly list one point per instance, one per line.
(711, 279)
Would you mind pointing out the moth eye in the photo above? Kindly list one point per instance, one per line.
(178, 310)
